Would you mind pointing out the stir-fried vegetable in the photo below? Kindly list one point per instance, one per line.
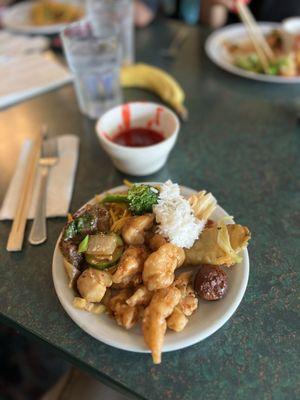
(103, 245)
(104, 251)
(140, 198)
(79, 226)
(100, 263)
(87, 221)
(83, 245)
(251, 62)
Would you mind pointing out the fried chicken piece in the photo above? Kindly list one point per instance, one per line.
(159, 267)
(156, 241)
(177, 321)
(141, 296)
(106, 298)
(182, 280)
(133, 231)
(83, 304)
(131, 263)
(187, 304)
(118, 297)
(129, 282)
(207, 249)
(92, 284)
(124, 314)
(154, 323)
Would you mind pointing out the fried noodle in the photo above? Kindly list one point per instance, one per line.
(119, 214)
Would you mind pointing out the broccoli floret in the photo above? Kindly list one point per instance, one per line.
(140, 198)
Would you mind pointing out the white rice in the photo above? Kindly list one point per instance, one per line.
(175, 217)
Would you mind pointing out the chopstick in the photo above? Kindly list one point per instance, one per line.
(264, 44)
(258, 40)
(15, 239)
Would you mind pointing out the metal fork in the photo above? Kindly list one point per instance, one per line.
(49, 158)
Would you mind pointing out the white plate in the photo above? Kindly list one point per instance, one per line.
(18, 18)
(208, 318)
(216, 51)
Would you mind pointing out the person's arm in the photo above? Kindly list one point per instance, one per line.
(144, 12)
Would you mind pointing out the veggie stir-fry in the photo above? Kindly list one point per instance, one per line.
(244, 56)
(123, 256)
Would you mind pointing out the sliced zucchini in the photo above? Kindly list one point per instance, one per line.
(103, 263)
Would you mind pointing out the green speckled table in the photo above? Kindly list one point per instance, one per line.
(241, 143)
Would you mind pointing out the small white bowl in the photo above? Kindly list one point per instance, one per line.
(144, 160)
(290, 31)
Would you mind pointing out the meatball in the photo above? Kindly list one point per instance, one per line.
(211, 282)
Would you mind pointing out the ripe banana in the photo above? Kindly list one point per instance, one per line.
(156, 80)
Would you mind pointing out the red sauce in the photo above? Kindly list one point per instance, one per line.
(126, 115)
(138, 137)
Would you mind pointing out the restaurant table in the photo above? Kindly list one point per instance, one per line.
(241, 143)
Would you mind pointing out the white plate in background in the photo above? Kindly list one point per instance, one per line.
(218, 54)
(18, 19)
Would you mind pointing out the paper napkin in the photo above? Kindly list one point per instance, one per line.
(60, 181)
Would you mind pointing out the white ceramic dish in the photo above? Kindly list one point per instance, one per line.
(17, 18)
(216, 51)
(138, 161)
(209, 317)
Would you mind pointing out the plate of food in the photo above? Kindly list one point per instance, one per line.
(151, 267)
(41, 17)
(231, 49)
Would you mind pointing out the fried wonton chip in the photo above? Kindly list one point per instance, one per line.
(203, 204)
(219, 245)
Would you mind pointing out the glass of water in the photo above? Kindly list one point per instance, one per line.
(94, 60)
(119, 15)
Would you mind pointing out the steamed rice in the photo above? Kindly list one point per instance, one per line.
(175, 217)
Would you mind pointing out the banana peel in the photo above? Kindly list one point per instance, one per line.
(153, 79)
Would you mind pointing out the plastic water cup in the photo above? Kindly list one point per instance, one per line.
(94, 60)
(117, 14)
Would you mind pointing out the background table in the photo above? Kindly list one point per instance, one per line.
(242, 144)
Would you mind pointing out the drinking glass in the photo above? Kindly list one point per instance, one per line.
(94, 60)
(119, 15)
